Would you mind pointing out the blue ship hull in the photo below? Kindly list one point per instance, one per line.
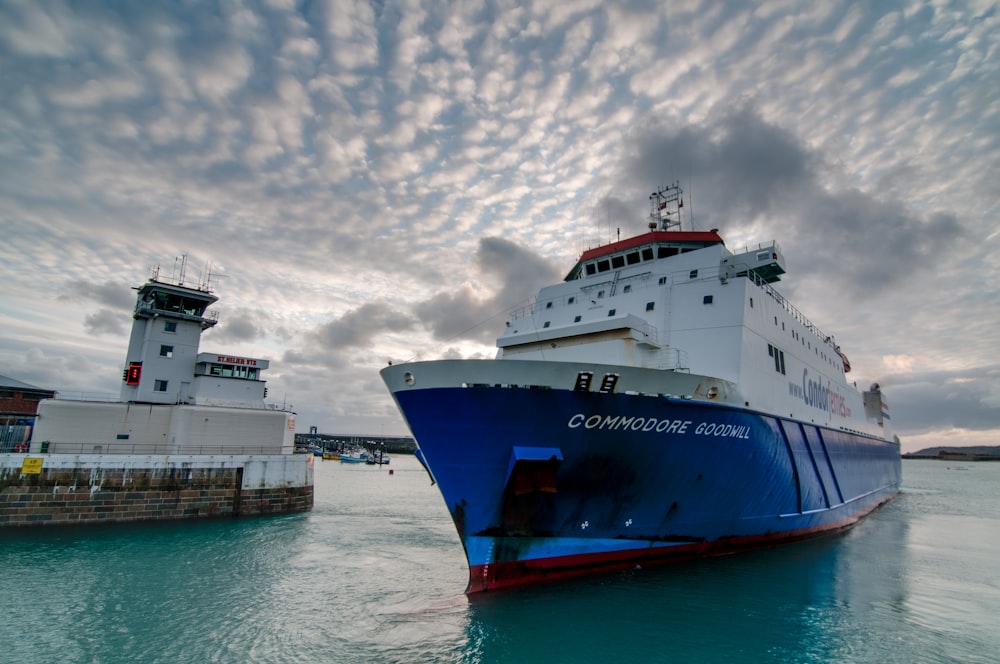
(546, 484)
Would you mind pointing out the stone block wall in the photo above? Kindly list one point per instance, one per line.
(80, 489)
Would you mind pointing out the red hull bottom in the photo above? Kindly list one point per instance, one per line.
(516, 573)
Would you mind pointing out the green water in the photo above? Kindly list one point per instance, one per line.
(375, 573)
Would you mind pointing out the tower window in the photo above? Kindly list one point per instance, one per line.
(160, 386)
(166, 351)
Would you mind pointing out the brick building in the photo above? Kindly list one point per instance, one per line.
(18, 406)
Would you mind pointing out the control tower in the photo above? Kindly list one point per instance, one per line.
(163, 365)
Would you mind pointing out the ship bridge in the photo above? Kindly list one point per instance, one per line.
(641, 249)
(765, 261)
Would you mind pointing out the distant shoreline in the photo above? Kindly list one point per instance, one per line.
(979, 453)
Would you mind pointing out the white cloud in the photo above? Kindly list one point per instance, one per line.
(349, 162)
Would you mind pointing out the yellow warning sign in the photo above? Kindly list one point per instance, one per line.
(31, 466)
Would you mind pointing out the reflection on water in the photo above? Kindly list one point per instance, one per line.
(375, 573)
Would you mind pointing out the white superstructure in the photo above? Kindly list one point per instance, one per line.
(681, 301)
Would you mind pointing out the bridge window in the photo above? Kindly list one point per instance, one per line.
(617, 261)
(647, 254)
(591, 269)
(632, 257)
(603, 265)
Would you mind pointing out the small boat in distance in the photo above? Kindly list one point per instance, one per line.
(663, 402)
(354, 456)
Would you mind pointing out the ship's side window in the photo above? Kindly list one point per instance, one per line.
(571, 300)
(577, 319)
(779, 358)
(663, 280)
(611, 312)
(166, 351)
(708, 299)
(751, 303)
(693, 274)
(600, 293)
(548, 305)
(160, 386)
(650, 305)
(546, 324)
(628, 288)
(169, 326)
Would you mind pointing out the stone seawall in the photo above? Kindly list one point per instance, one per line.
(61, 489)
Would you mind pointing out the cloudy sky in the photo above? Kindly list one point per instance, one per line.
(375, 181)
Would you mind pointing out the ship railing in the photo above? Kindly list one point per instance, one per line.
(667, 357)
(521, 312)
(790, 308)
(140, 449)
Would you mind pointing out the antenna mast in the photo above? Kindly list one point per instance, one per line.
(665, 207)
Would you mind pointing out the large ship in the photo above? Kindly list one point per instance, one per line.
(663, 402)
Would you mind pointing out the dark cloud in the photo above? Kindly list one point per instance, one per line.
(964, 399)
(358, 326)
(114, 294)
(467, 314)
(238, 325)
(107, 321)
(741, 171)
